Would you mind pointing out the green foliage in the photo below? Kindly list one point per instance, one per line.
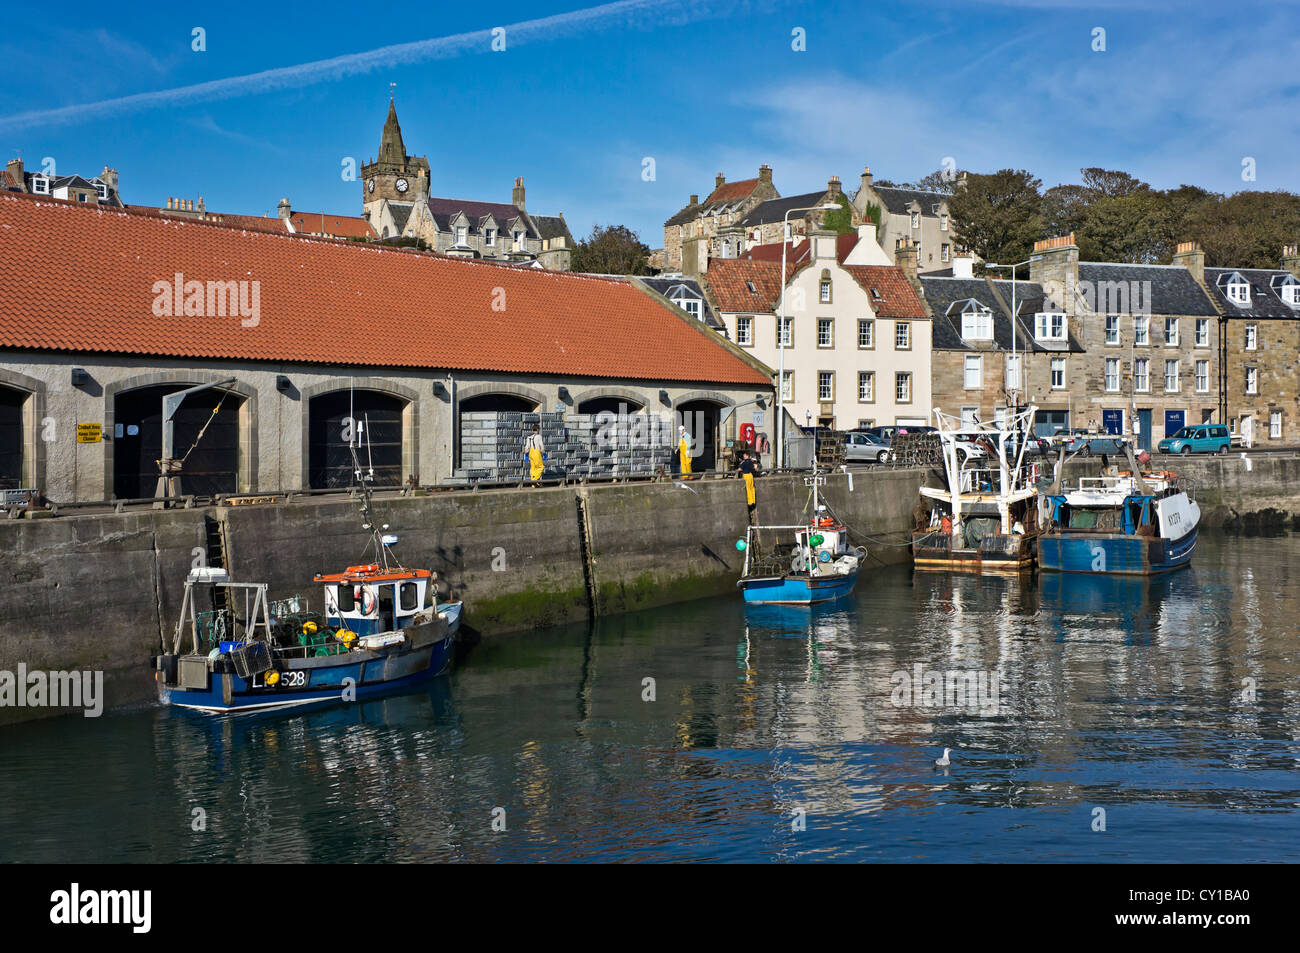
(999, 216)
(611, 250)
(874, 214)
(840, 221)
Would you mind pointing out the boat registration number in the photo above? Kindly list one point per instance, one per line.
(294, 678)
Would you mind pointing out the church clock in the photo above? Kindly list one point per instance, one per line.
(401, 185)
(371, 185)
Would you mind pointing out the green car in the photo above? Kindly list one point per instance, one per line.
(1203, 438)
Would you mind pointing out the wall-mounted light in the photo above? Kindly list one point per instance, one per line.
(79, 377)
(282, 383)
(564, 395)
(664, 398)
(439, 389)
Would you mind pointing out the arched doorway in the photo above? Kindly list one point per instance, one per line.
(211, 463)
(372, 420)
(11, 437)
(701, 418)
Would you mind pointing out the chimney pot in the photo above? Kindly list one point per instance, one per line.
(719, 180)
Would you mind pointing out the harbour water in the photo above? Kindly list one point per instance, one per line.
(1166, 711)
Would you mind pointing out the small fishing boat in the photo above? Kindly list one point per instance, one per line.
(1130, 523)
(381, 629)
(818, 567)
(985, 519)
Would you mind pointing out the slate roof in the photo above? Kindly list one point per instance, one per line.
(899, 201)
(401, 214)
(774, 210)
(1265, 302)
(942, 293)
(552, 226)
(1173, 289)
(665, 285)
(444, 210)
(81, 278)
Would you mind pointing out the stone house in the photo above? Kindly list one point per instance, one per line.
(857, 334)
(765, 224)
(911, 215)
(1259, 345)
(1150, 342)
(101, 190)
(691, 235)
(986, 357)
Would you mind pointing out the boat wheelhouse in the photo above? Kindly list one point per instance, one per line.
(985, 517)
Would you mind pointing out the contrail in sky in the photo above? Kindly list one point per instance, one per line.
(629, 13)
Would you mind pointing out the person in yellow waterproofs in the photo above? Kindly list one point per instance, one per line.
(684, 449)
(536, 454)
(748, 469)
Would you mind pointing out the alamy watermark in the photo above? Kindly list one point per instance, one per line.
(975, 691)
(211, 299)
(58, 689)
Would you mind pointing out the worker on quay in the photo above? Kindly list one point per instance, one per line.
(748, 469)
(684, 449)
(536, 454)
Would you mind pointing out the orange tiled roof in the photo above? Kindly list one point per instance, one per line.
(898, 299)
(258, 223)
(729, 191)
(82, 278)
(344, 226)
(730, 279)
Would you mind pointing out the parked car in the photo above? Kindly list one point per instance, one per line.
(1095, 444)
(1066, 434)
(861, 446)
(1034, 446)
(1201, 438)
(889, 432)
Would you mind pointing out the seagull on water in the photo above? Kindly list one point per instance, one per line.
(943, 762)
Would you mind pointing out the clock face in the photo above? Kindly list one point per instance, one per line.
(371, 185)
(401, 185)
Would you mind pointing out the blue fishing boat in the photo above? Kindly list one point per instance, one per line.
(818, 567)
(1131, 523)
(382, 629)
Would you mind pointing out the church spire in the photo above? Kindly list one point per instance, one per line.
(392, 151)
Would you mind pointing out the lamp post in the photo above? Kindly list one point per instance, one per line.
(1015, 394)
(780, 331)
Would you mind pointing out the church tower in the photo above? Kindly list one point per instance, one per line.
(394, 177)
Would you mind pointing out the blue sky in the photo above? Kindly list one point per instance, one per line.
(1182, 93)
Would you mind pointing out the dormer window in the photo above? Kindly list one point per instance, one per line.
(1288, 289)
(490, 238)
(1238, 289)
(519, 240)
(943, 222)
(461, 234)
(40, 185)
(102, 189)
(976, 322)
(916, 219)
(1049, 326)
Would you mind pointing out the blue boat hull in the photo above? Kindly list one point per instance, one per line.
(324, 681)
(1113, 553)
(796, 590)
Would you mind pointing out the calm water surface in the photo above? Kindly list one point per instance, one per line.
(1113, 694)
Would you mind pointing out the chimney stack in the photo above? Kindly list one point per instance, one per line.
(15, 170)
(283, 209)
(109, 178)
(963, 265)
(695, 200)
(1291, 259)
(517, 196)
(1190, 256)
(1057, 269)
(833, 186)
(765, 174)
(866, 177)
(719, 180)
(905, 258)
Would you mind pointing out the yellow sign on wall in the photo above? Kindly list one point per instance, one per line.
(89, 433)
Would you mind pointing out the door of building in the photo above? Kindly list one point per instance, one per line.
(1143, 433)
(1047, 422)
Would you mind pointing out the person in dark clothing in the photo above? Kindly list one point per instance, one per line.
(749, 469)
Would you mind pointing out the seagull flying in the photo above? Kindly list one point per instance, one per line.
(685, 487)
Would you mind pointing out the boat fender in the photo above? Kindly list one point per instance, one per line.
(309, 627)
(272, 677)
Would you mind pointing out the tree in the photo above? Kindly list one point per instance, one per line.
(940, 180)
(840, 221)
(1112, 184)
(611, 250)
(999, 216)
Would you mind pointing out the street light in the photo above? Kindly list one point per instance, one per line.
(1015, 395)
(780, 332)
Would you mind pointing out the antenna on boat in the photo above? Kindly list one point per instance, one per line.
(379, 538)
